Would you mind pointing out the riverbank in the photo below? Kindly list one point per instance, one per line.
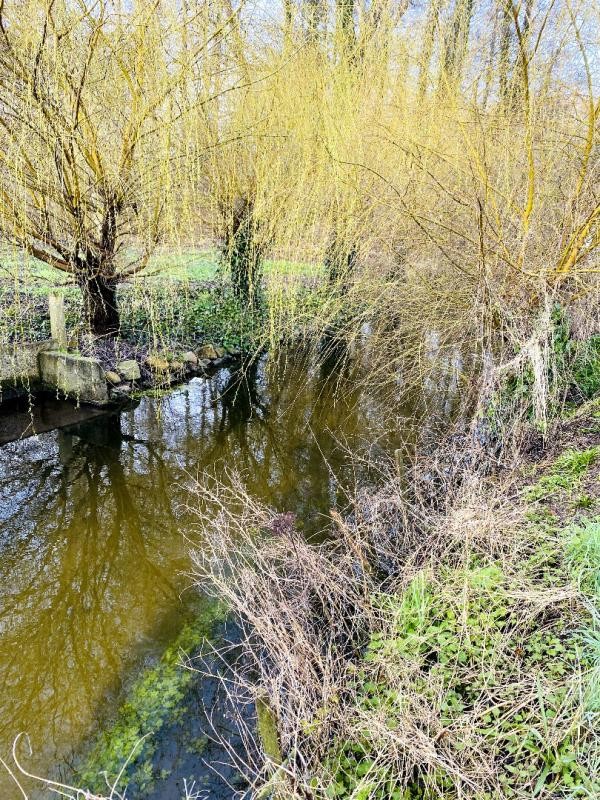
(445, 643)
(170, 331)
(481, 676)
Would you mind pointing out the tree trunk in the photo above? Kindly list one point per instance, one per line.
(243, 254)
(340, 262)
(288, 28)
(504, 65)
(100, 308)
(345, 22)
(315, 16)
(431, 29)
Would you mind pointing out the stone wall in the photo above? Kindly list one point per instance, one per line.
(35, 364)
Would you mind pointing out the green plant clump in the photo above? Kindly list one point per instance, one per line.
(572, 372)
(586, 368)
(565, 474)
(464, 670)
(189, 313)
(154, 700)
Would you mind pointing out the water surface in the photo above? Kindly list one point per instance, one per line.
(93, 559)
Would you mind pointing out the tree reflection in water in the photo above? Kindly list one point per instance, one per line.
(93, 560)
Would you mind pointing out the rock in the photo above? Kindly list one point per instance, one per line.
(176, 366)
(157, 364)
(220, 351)
(112, 377)
(204, 363)
(190, 358)
(122, 389)
(129, 369)
(207, 351)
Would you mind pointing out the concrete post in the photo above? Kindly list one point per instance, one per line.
(58, 329)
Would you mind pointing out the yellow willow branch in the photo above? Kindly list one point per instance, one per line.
(528, 210)
(593, 109)
(577, 242)
(407, 211)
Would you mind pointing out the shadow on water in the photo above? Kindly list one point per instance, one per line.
(20, 418)
(92, 556)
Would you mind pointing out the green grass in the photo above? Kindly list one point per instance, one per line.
(192, 265)
(18, 270)
(34, 275)
(564, 476)
(286, 268)
(583, 553)
(196, 265)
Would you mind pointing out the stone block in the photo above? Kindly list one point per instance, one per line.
(157, 363)
(19, 361)
(112, 377)
(56, 307)
(78, 377)
(207, 351)
(122, 390)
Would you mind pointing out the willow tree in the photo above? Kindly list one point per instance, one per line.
(457, 40)
(345, 22)
(232, 170)
(91, 97)
(431, 30)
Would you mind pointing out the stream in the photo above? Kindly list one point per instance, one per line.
(94, 565)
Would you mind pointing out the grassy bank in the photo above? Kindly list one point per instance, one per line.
(444, 642)
(184, 299)
(481, 677)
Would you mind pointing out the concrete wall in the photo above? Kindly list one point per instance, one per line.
(19, 362)
(78, 377)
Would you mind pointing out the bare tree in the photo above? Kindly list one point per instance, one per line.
(431, 30)
(345, 22)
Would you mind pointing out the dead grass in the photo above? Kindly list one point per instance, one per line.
(430, 648)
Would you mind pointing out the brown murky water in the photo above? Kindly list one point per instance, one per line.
(92, 555)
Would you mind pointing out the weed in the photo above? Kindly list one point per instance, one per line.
(484, 678)
(574, 463)
(583, 553)
(584, 501)
(586, 367)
